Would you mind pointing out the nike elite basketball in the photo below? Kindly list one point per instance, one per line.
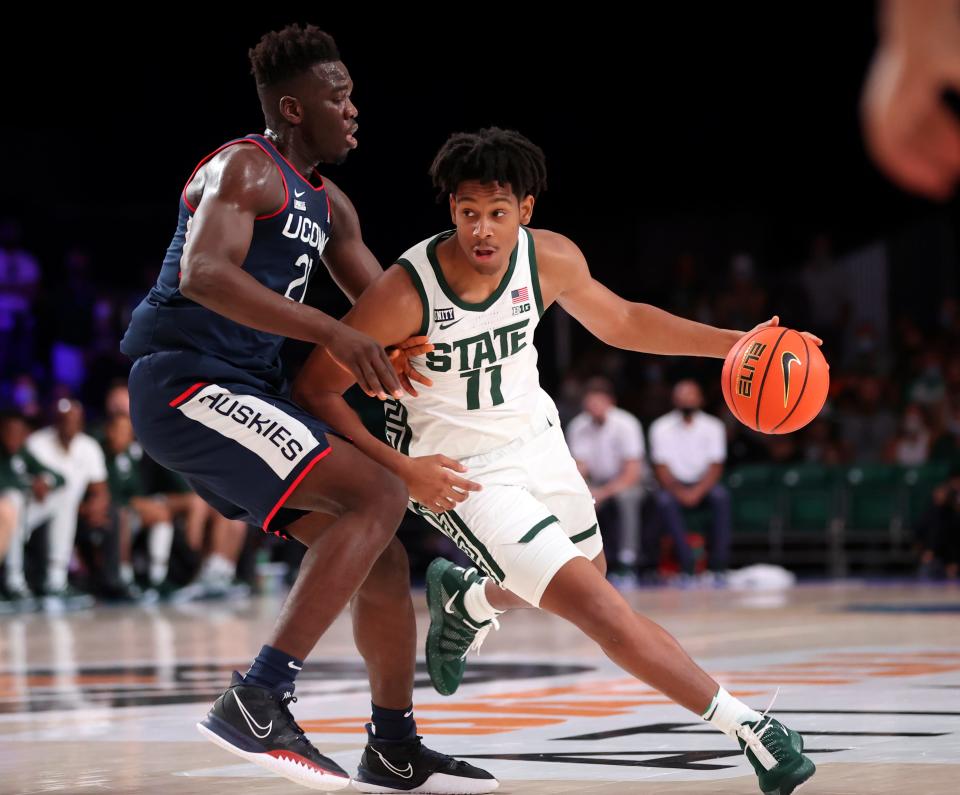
(775, 380)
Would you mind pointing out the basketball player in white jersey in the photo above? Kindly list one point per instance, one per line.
(525, 517)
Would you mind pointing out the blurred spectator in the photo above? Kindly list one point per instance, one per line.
(607, 443)
(744, 445)
(117, 399)
(911, 446)
(64, 448)
(31, 494)
(8, 527)
(866, 425)
(938, 531)
(928, 387)
(864, 352)
(687, 296)
(210, 545)
(217, 575)
(784, 448)
(136, 511)
(19, 280)
(569, 397)
(825, 285)
(743, 303)
(949, 320)
(25, 397)
(688, 449)
(820, 444)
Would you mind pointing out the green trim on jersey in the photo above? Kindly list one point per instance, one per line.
(418, 283)
(534, 273)
(448, 291)
(584, 535)
(491, 565)
(453, 527)
(532, 532)
(396, 427)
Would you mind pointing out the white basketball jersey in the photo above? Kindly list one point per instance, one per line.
(486, 387)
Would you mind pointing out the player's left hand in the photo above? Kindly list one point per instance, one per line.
(775, 321)
(400, 356)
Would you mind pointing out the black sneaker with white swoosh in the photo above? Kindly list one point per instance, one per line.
(409, 766)
(255, 724)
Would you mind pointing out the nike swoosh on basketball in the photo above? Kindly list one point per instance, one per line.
(298, 193)
(407, 772)
(251, 723)
(452, 323)
(786, 359)
(448, 605)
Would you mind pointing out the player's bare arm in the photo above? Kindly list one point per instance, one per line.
(565, 278)
(389, 311)
(238, 186)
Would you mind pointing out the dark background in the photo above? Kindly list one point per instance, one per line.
(689, 129)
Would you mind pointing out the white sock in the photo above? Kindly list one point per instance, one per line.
(159, 543)
(476, 603)
(728, 713)
(126, 573)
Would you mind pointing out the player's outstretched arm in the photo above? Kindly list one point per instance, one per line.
(565, 278)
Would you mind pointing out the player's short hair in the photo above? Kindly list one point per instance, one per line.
(490, 155)
(282, 54)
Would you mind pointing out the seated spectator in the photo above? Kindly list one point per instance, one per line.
(688, 449)
(911, 446)
(30, 494)
(136, 511)
(66, 449)
(607, 443)
(866, 424)
(938, 531)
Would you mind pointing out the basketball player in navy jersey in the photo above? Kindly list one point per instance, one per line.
(208, 400)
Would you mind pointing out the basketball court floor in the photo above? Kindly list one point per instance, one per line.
(106, 700)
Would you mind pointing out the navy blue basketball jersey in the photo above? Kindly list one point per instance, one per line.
(284, 252)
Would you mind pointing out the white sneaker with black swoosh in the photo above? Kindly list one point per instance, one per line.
(409, 766)
(255, 724)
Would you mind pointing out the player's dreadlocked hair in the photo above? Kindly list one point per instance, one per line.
(490, 155)
(282, 54)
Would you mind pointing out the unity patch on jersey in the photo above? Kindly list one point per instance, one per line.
(280, 440)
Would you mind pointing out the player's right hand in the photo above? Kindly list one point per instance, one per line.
(432, 482)
(366, 359)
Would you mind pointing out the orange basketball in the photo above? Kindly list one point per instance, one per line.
(775, 380)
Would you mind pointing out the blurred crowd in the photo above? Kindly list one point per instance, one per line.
(85, 513)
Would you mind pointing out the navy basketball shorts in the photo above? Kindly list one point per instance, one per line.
(241, 445)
